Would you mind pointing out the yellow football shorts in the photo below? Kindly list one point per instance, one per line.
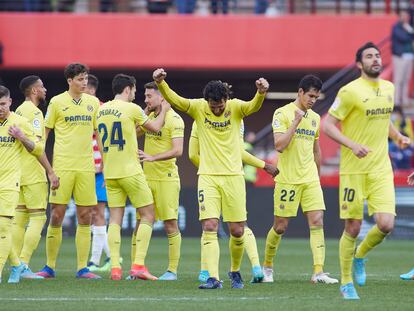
(287, 198)
(166, 198)
(8, 202)
(34, 196)
(134, 187)
(80, 184)
(376, 188)
(222, 195)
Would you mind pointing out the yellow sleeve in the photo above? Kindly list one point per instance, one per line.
(343, 104)
(249, 107)
(250, 159)
(28, 132)
(175, 100)
(279, 123)
(51, 116)
(139, 115)
(177, 127)
(194, 151)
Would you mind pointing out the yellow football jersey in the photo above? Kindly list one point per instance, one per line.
(219, 136)
(297, 163)
(74, 123)
(11, 151)
(32, 171)
(161, 142)
(364, 108)
(117, 121)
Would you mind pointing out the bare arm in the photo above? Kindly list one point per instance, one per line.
(317, 155)
(30, 145)
(175, 152)
(47, 131)
(194, 151)
(156, 124)
(330, 129)
(257, 101)
(282, 140)
(54, 180)
(401, 140)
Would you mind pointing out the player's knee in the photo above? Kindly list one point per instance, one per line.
(170, 226)
(210, 225)
(386, 227)
(237, 231)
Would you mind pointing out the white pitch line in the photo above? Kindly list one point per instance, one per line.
(138, 299)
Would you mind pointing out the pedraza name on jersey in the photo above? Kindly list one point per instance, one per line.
(114, 112)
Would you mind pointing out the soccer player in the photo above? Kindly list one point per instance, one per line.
(117, 121)
(159, 156)
(31, 211)
(71, 115)
(15, 137)
(296, 137)
(221, 186)
(99, 235)
(409, 275)
(363, 107)
(250, 245)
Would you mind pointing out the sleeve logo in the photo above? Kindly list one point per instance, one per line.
(336, 103)
(276, 123)
(36, 124)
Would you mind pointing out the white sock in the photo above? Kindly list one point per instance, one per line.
(98, 241)
(106, 246)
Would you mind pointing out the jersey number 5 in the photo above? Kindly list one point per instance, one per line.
(117, 139)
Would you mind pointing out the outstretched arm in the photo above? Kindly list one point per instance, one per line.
(170, 96)
(254, 105)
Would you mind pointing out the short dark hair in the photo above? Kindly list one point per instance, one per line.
(151, 86)
(93, 81)
(27, 83)
(121, 81)
(216, 90)
(368, 45)
(309, 82)
(4, 91)
(74, 69)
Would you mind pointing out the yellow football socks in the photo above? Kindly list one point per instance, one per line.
(250, 246)
(33, 235)
(317, 244)
(133, 246)
(203, 261)
(20, 222)
(53, 242)
(211, 253)
(114, 242)
(236, 246)
(143, 238)
(372, 239)
(346, 252)
(174, 249)
(272, 244)
(5, 240)
(83, 244)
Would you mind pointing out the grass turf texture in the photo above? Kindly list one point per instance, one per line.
(292, 289)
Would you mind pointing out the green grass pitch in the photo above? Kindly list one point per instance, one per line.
(291, 290)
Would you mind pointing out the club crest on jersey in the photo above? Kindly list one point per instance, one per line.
(282, 206)
(227, 114)
(313, 123)
(344, 207)
(90, 108)
(202, 207)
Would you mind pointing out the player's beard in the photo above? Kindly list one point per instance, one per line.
(42, 102)
(371, 73)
